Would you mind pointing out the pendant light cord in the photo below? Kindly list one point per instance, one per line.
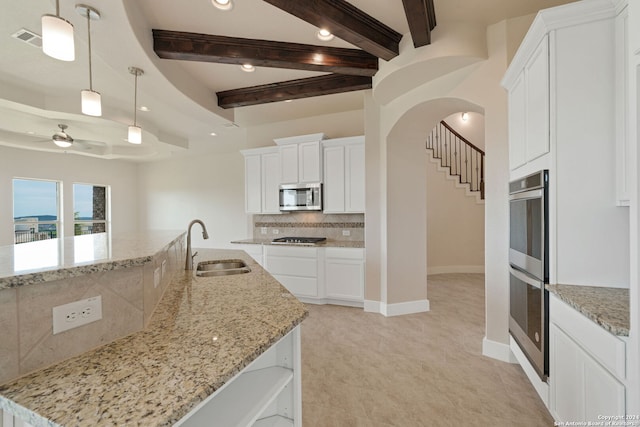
(89, 39)
(135, 99)
(58, 8)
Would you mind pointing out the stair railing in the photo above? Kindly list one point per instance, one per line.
(462, 158)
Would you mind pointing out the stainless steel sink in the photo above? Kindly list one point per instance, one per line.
(221, 267)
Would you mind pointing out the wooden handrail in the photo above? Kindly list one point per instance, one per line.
(463, 159)
(453, 131)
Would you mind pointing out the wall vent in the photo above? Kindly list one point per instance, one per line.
(29, 37)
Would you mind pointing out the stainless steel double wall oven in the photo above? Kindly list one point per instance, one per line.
(529, 267)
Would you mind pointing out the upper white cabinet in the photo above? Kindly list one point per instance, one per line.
(300, 158)
(344, 175)
(529, 108)
(563, 116)
(262, 180)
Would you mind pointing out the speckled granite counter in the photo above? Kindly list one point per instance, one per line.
(203, 332)
(329, 243)
(55, 259)
(608, 307)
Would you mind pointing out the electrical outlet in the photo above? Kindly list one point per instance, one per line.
(77, 313)
(346, 232)
(156, 277)
(263, 230)
(164, 268)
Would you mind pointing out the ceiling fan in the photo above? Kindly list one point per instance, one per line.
(61, 138)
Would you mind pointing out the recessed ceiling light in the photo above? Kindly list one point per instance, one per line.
(213, 134)
(144, 108)
(324, 35)
(30, 132)
(288, 100)
(223, 4)
(248, 68)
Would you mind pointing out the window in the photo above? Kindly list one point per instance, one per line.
(36, 210)
(90, 209)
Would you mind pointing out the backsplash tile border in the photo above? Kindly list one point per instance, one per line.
(310, 224)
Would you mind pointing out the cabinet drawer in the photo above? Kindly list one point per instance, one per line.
(345, 253)
(291, 251)
(606, 348)
(303, 267)
(299, 286)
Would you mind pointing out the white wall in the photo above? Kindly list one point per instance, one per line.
(455, 226)
(69, 168)
(209, 187)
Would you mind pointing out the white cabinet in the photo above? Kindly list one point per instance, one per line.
(295, 267)
(254, 251)
(265, 393)
(319, 275)
(623, 158)
(344, 274)
(529, 109)
(587, 367)
(262, 180)
(563, 116)
(344, 175)
(300, 159)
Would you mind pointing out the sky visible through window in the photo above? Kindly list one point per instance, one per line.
(83, 200)
(33, 198)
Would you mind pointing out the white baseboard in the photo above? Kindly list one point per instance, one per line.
(542, 388)
(397, 309)
(456, 269)
(372, 306)
(497, 350)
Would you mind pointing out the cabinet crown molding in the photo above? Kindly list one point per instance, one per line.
(313, 137)
(554, 18)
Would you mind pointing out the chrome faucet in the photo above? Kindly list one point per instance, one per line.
(188, 265)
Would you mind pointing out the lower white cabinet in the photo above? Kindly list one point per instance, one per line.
(295, 267)
(586, 368)
(319, 275)
(265, 393)
(255, 251)
(344, 274)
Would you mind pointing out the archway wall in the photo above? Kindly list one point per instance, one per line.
(395, 158)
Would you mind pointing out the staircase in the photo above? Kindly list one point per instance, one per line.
(462, 160)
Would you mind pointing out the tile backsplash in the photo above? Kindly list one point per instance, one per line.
(345, 227)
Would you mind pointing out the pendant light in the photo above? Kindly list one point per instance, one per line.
(91, 101)
(57, 36)
(135, 132)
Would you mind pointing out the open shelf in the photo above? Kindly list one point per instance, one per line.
(243, 401)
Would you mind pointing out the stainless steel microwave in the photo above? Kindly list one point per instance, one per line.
(301, 197)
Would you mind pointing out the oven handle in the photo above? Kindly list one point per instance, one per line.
(531, 194)
(525, 278)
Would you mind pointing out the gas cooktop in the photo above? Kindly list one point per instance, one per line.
(299, 240)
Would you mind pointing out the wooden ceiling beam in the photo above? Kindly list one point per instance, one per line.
(262, 53)
(292, 89)
(346, 22)
(421, 16)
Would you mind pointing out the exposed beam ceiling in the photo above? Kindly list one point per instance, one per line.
(346, 22)
(292, 89)
(230, 50)
(421, 16)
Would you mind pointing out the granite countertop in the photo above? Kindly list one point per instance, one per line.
(608, 307)
(54, 259)
(204, 331)
(329, 243)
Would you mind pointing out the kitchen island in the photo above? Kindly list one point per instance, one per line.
(203, 333)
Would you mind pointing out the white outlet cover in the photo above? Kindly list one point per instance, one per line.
(77, 313)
